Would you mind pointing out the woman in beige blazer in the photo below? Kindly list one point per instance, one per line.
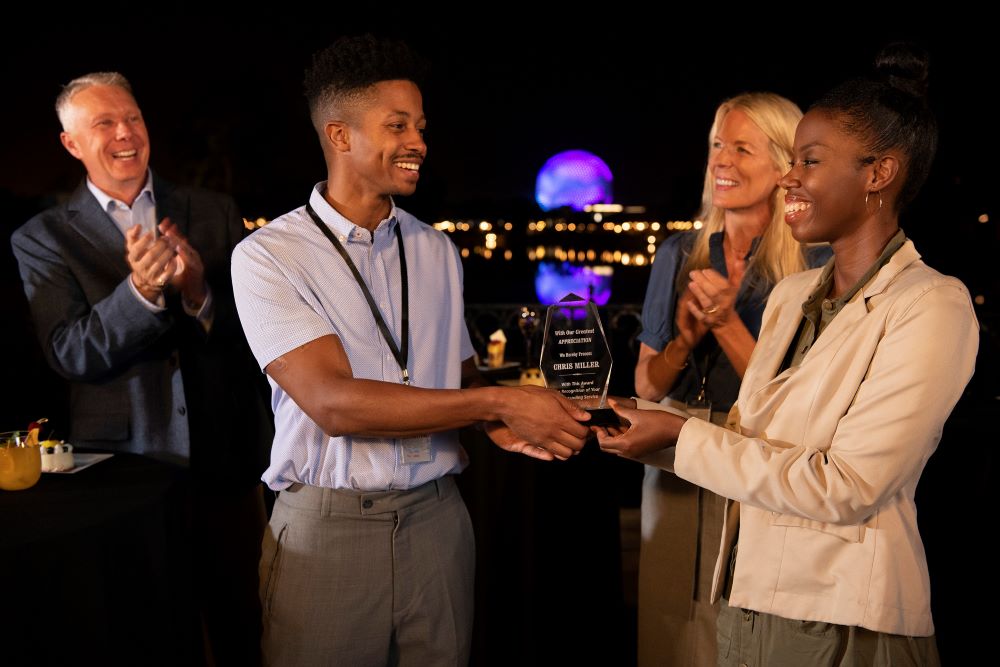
(856, 369)
(743, 248)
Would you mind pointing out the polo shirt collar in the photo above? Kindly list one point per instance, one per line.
(341, 226)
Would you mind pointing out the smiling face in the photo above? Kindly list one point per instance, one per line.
(827, 181)
(106, 132)
(387, 145)
(739, 160)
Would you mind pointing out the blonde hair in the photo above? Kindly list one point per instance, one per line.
(778, 254)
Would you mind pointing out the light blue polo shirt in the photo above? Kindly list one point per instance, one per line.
(292, 287)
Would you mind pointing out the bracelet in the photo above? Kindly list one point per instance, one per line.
(666, 359)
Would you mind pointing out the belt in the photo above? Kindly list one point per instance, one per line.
(351, 501)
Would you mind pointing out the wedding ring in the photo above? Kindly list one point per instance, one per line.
(712, 309)
(161, 283)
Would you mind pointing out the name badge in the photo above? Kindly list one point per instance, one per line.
(415, 450)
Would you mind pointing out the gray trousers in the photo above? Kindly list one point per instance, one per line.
(752, 639)
(368, 578)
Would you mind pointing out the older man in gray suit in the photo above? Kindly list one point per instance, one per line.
(128, 284)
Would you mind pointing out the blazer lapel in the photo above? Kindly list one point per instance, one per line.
(97, 228)
(772, 347)
(906, 255)
(857, 308)
(852, 312)
(170, 205)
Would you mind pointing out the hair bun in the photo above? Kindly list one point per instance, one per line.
(903, 66)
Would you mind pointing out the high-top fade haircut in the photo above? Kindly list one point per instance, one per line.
(342, 74)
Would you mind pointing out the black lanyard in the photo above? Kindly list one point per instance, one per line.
(379, 320)
(710, 359)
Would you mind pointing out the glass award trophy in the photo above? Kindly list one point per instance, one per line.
(576, 359)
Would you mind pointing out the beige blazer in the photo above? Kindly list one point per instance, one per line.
(824, 458)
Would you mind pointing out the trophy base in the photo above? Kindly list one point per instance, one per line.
(603, 417)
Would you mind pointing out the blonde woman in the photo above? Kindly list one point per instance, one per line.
(695, 359)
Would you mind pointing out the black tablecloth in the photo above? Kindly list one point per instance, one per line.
(95, 567)
(548, 557)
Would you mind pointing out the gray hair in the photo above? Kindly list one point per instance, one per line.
(82, 83)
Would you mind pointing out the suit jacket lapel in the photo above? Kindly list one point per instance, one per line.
(906, 255)
(773, 347)
(170, 205)
(856, 309)
(97, 228)
(852, 312)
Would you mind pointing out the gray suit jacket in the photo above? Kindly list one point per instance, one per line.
(144, 382)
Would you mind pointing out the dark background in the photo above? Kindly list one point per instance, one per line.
(222, 99)
(223, 103)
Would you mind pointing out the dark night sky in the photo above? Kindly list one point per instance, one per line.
(502, 99)
(223, 103)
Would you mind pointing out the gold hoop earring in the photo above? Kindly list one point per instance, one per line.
(879, 193)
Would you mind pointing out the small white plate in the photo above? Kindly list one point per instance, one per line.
(81, 461)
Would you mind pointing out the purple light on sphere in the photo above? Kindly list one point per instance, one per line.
(554, 281)
(574, 179)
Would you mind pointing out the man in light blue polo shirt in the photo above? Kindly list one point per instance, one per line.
(354, 310)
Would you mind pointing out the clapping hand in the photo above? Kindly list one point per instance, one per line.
(153, 261)
(189, 278)
(690, 329)
(714, 298)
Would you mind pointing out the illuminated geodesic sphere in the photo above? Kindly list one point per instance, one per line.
(575, 179)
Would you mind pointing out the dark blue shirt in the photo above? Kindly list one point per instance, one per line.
(707, 360)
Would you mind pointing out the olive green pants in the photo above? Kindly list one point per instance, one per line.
(752, 639)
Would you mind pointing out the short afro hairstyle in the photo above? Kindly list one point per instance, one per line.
(345, 70)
